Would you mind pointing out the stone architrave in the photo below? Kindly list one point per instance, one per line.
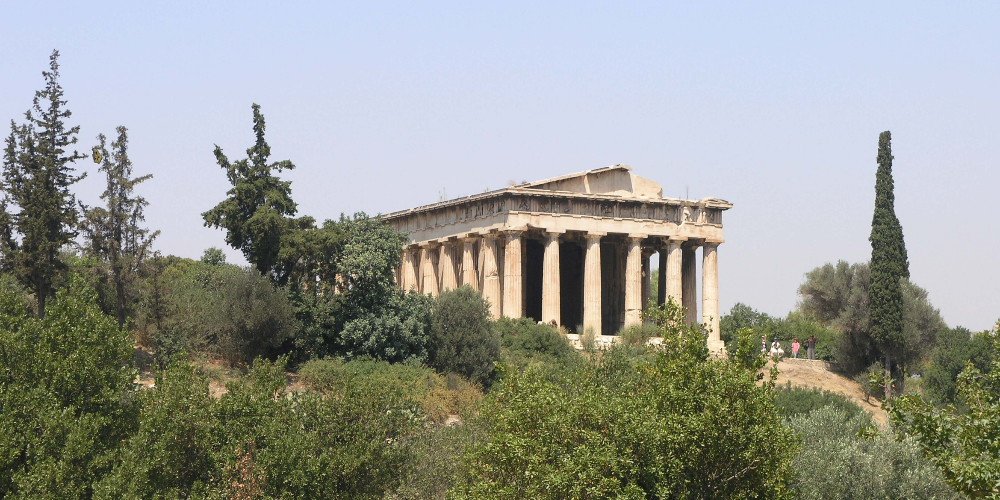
(446, 267)
(675, 286)
(470, 276)
(689, 282)
(710, 292)
(491, 274)
(633, 281)
(428, 274)
(551, 289)
(592, 314)
(513, 284)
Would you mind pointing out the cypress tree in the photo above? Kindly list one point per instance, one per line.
(113, 232)
(37, 175)
(258, 209)
(889, 264)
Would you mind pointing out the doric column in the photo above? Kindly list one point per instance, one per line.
(470, 276)
(405, 271)
(446, 267)
(550, 280)
(633, 281)
(710, 292)
(661, 281)
(592, 284)
(411, 269)
(689, 282)
(675, 287)
(491, 275)
(428, 270)
(646, 277)
(513, 285)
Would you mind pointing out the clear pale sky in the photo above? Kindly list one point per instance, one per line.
(776, 108)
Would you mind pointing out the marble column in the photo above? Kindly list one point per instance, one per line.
(646, 276)
(411, 270)
(550, 280)
(406, 271)
(710, 291)
(675, 287)
(428, 271)
(592, 317)
(661, 282)
(633, 281)
(689, 282)
(470, 276)
(446, 267)
(513, 284)
(491, 275)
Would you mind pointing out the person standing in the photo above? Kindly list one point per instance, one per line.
(795, 348)
(811, 347)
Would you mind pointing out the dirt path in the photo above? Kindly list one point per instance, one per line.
(805, 373)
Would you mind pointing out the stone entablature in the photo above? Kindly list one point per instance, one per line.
(573, 250)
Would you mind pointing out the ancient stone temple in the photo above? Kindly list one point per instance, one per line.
(574, 250)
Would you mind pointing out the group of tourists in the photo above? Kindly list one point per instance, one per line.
(777, 352)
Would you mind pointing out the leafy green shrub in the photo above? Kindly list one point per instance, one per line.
(65, 394)
(526, 343)
(439, 396)
(846, 457)
(437, 465)
(462, 339)
(956, 347)
(679, 426)
(792, 401)
(636, 335)
(233, 313)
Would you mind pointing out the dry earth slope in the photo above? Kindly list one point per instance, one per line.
(806, 373)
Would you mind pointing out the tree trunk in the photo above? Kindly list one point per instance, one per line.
(40, 297)
(888, 378)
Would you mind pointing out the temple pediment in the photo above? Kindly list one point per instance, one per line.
(615, 180)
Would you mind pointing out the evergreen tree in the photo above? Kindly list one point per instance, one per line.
(113, 232)
(258, 209)
(37, 175)
(888, 266)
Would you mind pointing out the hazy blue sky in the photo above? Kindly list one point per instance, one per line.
(775, 107)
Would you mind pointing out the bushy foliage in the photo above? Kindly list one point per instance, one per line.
(526, 343)
(462, 338)
(257, 441)
(837, 296)
(795, 325)
(226, 311)
(439, 396)
(844, 457)
(680, 425)
(792, 401)
(64, 394)
(955, 348)
(962, 443)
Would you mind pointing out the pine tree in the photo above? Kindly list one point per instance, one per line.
(113, 232)
(258, 209)
(888, 266)
(37, 175)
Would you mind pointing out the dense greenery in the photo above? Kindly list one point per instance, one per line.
(112, 232)
(889, 266)
(792, 401)
(845, 457)
(837, 296)
(37, 175)
(674, 424)
(962, 442)
(462, 338)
